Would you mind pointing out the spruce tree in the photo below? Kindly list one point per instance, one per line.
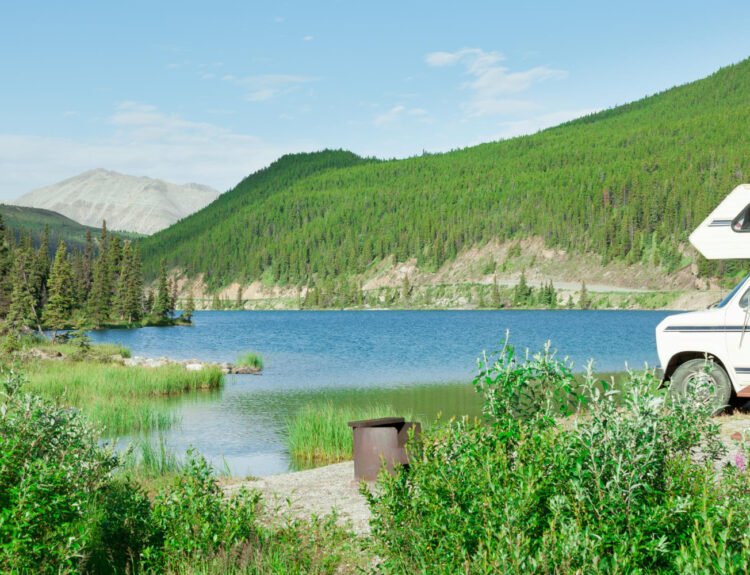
(87, 271)
(496, 302)
(6, 271)
(100, 298)
(57, 312)
(23, 311)
(238, 300)
(162, 304)
(187, 313)
(584, 301)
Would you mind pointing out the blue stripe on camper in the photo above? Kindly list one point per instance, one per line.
(720, 223)
(742, 370)
(707, 328)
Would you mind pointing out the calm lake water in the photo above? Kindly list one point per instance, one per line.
(421, 361)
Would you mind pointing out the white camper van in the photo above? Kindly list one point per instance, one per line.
(684, 341)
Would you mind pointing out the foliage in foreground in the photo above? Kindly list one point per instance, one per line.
(65, 510)
(319, 434)
(566, 478)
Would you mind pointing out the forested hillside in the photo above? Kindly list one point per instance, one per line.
(35, 220)
(628, 184)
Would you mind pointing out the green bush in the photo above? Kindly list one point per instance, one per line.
(51, 466)
(565, 477)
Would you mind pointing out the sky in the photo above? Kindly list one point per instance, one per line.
(211, 92)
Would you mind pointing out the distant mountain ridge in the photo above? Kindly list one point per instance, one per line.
(128, 203)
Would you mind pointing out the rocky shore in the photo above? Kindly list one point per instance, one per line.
(189, 364)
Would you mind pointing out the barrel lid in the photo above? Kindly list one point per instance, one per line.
(381, 422)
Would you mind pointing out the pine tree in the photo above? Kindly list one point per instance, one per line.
(148, 305)
(495, 300)
(162, 304)
(173, 296)
(238, 300)
(584, 301)
(87, 269)
(100, 298)
(6, 271)
(405, 288)
(216, 302)
(23, 311)
(57, 312)
(523, 294)
(187, 313)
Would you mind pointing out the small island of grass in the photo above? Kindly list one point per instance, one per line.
(114, 392)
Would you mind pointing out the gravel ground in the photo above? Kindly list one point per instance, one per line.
(316, 492)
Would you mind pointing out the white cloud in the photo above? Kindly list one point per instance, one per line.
(143, 141)
(492, 84)
(390, 116)
(269, 86)
(396, 114)
(308, 38)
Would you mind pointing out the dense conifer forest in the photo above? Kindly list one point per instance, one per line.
(628, 184)
(46, 288)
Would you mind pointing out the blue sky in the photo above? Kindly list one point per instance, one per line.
(192, 91)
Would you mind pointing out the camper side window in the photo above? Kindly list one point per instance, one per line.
(742, 222)
(744, 298)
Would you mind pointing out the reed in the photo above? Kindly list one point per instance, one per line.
(250, 359)
(122, 399)
(318, 433)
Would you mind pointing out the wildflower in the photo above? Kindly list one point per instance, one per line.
(739, 460)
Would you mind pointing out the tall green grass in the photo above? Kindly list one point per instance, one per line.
(122, 399)
(318, 433)
(250, 359)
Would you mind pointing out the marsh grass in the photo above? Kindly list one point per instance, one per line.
(122, 399)
(318, 433)
(250, 359)
(74, 348)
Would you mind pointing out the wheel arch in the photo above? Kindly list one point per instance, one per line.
(679, 358)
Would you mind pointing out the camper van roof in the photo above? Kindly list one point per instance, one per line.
(725, 233)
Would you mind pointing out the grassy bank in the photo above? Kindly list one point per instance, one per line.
(318, 433)
(122, 399)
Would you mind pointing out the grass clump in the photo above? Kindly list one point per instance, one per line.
(122, 399)
(318, 433)
(566, 477)
(250, 359)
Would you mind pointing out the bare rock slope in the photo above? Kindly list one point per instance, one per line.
(128, 203)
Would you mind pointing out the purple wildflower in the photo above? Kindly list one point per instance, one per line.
(739, 460)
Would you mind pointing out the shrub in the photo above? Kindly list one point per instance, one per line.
(565, 477)
(50, 467)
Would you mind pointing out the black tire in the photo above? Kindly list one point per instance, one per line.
(696, 376)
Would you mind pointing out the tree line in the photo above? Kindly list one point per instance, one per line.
(628, 184)
(42, 288)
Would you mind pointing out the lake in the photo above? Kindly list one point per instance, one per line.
(421, 361)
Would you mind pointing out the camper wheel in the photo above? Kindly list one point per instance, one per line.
(705, 380)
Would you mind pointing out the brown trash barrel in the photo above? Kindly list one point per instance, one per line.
(381, 440)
